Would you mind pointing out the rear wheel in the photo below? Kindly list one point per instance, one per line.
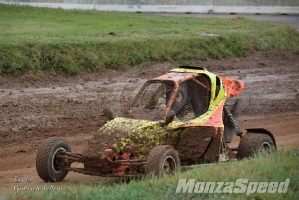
(254, 143)
(48, 164)
(162, 161)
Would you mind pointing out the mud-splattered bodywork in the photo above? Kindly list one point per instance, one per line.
(195, 97)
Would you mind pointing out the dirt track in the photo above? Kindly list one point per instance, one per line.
(35, 108)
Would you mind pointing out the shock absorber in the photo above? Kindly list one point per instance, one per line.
(233, 121)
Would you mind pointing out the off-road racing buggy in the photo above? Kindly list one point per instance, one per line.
(176, 120)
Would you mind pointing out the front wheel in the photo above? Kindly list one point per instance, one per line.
(162, 161)
(254, 143)
(48, 164)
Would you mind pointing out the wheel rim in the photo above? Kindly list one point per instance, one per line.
(56, 161)
(169, 165)
(265, 147)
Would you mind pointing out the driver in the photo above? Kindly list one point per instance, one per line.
(181, 106)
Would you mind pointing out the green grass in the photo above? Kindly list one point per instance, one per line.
(68, 41)
(277, 166)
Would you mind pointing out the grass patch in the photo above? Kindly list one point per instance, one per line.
(68, 41)
(277, 166)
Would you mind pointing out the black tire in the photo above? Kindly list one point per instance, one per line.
(46, 163)
(254, 143)
(162, 161)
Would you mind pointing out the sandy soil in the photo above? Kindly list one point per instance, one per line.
(35, 108)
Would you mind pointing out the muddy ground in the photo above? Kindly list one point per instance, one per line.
(34, 108)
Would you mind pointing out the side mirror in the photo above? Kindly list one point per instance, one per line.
(108, 113)
(168, 119)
